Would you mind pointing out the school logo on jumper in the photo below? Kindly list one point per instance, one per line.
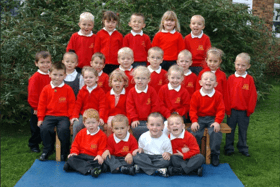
(62, 99)
(245, 87)
(100, 84)
(93, 146)
(143, 44)
(200, 47)
(149, 101)
(125, 149)
(178, 100)
(190, 84)
(91, 45)
(160, 82)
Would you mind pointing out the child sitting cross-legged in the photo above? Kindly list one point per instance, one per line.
(88, 146)
(186, 158)
(121, 144)
(153, 154)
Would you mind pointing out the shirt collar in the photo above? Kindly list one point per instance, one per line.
(165, 31)
(43, 73)
(81, 34)
(110, 33)
(171, 88)
(199, 36)
(188, 73)
(208, 94)
(100, 73)
(59, 86)
(137, 33)
(181, 136)
(94, 133)
(117, 140)
(112, 92)
(244, 76)
(73, 74)
(92, 88)
(140, 91)
(157, 71)
(125, 69)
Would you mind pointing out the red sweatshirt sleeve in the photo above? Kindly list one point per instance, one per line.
(131, 106)
(253, 97)
(192, 145)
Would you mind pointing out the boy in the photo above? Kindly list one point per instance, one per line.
(120, 146)
(73, 78)
(197, 43)
(125, 59)
(98, 63)
(55, 107)
(186, 158)
(241, 102)
(82, 42)
(158, 75)
(154, 148)
(87, 148)
(139, 42)
(207, 110)
(36, 83)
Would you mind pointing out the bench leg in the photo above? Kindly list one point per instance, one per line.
(208, 150)
(57, 147)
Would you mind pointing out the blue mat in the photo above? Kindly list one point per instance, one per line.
(51, 173)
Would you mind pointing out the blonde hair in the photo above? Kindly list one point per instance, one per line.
(90, 69)
(186, 53)
(218, 52)
(176, 68)
(125, 50)
(90, 113)
(208, 72)
(200, 17)
(170, 15)
(244, 56)
(158, 49)
(176, 116)
(87, 16)
(119, 118)
(119, 75)
(141, 69)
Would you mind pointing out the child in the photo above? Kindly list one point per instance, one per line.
(55, 107)
(213, 60)
(158, 75)
(98, 63)
(241, 98)
(125, 59)
(73, 78)
(185, 61)
(109, 41)
(154, 148)
(36, 83)
(139, 42)
(169, 39)
(90, 96)
(207, 110)
(121, 144)
(82, 42)
(116, 98)
(87, 148)
(197, 43)
(174, 97)
(186, 158)
(141, 101)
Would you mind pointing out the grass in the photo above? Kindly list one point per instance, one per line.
(261, 169)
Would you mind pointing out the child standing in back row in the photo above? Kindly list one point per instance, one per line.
(169, 39)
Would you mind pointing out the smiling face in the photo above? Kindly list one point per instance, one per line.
(120, 129)
(155, 126)
(86, 26)
(125, 60)
(98, 64)
(70, 61)
(44, 64)
(185, 62)
(57, 76)
(169, 25)
(208, 82)
(196, 25)
(110, 25)
(137, 23)
(241, 66)
(155, 59)
(213, 61)
(175, 126)
(91, 125)
(90, 79)
(175, 78)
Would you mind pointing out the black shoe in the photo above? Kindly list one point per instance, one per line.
(128, 170)
(163, 172)
(229, 153)
(215, 161)
(104, 168)
(44, 156)
(170, 171)
(63, 157)
(175, 171)
(200, 171)
(66, 167)
(95, 172)
(35, 149)
(245, 154)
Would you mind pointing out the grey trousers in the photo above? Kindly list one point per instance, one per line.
(83, 163)
(188, 165)
(140, 129)
(116, 162)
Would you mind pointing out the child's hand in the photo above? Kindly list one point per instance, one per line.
(140, 150)
(228, 116)
(135, 124)
(35, 112)
(216, 126)
(185, 149)
(128, 158)
(72, 154)
(105, 154)
(72, 120)
(166, 156)
(99, 159)
(195, 126)
(179, 153)
(101, 122)
(39, 123)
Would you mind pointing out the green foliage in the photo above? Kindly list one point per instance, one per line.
(49, 24)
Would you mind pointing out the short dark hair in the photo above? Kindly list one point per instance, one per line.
(155, 115)
(58, 66)
(42, 54)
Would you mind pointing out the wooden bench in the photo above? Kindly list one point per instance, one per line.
(205, 141)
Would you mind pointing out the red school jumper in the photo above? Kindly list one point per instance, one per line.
(83, 46)
(108, 45)
(241, 94)
(158, 78)
(190, 82)
(129, 75)
(198, 47)
(140, 44)
(103, 81)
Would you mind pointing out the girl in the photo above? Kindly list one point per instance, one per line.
(213, 60)
(174, 97)
(108, 41)
(169, 39)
